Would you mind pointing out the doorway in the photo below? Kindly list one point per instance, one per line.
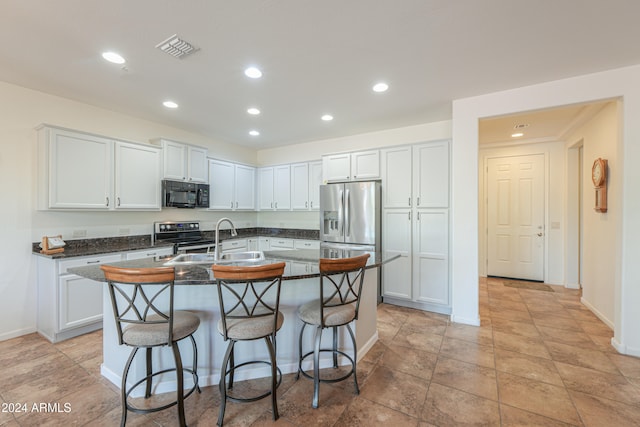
(515, 217)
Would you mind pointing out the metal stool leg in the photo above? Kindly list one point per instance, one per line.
(123, 387)
(355, 357)
(274, 376)
(195, 363)
(180, 384)
(316, 367)
(335, 346)
(223, 380)
(304, 325)
(149, 363)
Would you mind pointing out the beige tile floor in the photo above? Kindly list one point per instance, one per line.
(539, 358)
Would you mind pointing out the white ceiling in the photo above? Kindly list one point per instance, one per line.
(317, 57)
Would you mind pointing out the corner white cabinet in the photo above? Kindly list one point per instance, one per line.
(183, 162)
(274, 188)
(231, 186)
(70, 305)
(416, 225)
(305, 185)
(356, 166)
(90, 172)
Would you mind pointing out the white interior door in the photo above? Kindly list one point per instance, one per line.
(515, 217)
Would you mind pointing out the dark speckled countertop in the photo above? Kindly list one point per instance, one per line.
(201, 274)
(104, 245)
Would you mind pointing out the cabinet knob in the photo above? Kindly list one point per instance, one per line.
(107, 201)
(118, 201)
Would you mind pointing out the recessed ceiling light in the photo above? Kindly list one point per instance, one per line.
(253, 73)
(327, 117)
(517, 135)
(380, 87)
(254, 133)
(113, 57)
(253, 111)
(170, 104)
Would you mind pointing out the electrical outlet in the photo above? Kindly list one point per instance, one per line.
(124, 231)
(79, 233)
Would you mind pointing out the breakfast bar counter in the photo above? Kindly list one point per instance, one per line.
(195, 292)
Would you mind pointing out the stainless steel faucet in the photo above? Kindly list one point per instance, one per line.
(216, 251)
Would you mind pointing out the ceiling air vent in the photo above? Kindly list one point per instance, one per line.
(177, 47)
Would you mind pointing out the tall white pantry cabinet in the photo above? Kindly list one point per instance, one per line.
(415, 209)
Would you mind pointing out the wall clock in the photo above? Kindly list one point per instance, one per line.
(599, 178)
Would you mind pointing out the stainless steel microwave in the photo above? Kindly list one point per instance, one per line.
(178, 194)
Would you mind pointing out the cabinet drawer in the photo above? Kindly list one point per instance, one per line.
(83, 261)
(281, 243)
(307, 244)
(232, 245)
(148, 253)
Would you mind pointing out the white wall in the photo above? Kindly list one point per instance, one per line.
(554, 153)
(599, 137)
(621, 83)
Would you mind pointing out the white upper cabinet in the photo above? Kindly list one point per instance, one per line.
(315, 180)
(336, 167)
(274, 188)
(231, 186)
(184, 162)
(265, 188)
(245, 187)
(137, 176)
(361, 165)
(282, 187)
(300, 186)
(306, 179)
(396, 177)
(221, 183)
(76, 170)
(84, 171)
(431, 175)
(365, 165)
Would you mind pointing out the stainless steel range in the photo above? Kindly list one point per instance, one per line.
(186, 236)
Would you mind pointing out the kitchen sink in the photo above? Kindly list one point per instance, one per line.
(242, 256)
(209, 258)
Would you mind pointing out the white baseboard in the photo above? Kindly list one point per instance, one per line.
(598, 314)
(17, 333)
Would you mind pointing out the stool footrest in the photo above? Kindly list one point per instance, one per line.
(327, 380)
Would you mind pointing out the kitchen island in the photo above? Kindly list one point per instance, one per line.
(195, 292)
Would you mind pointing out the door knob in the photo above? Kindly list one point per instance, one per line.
(539, 234)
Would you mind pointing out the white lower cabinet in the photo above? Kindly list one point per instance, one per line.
(69, 305)
(420, 277)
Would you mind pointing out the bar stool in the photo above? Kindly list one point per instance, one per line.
(135, 293)
(340, 289)
(249, 299)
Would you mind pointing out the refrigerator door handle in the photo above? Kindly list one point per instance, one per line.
(341, 215)
(347, 215)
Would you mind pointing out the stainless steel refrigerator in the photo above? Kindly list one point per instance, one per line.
(350, 216)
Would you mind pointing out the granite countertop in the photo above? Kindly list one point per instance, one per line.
(201, 274)
(86, 247)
